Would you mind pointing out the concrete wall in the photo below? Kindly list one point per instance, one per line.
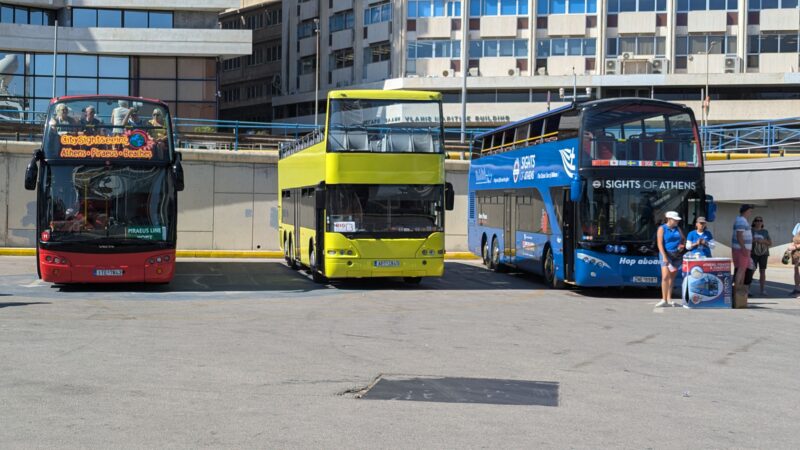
(230, 201)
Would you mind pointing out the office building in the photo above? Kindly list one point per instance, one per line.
(167, 51)
(520, 52)
(248, 83)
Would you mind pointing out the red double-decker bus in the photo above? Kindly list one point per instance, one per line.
(106, 180)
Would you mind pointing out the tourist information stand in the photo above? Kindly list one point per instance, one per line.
(707, 283)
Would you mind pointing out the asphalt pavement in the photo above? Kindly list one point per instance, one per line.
(250, 354)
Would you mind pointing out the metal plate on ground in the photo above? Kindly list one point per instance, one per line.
(465, 390)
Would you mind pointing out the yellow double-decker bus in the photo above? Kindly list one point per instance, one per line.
(366, 196)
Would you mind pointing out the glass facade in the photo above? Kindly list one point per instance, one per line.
(188, 85)
(118, 18)
(25, 16)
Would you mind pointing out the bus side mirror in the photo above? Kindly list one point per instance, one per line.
(32, 171)
(449, 197)
(711, 208)
(576, 190)
(319, 198)
(177, 170)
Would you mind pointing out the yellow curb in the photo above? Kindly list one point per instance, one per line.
(219, 253)
(17, 251)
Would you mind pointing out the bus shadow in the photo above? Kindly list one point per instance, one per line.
(216, 276)
(458, 276)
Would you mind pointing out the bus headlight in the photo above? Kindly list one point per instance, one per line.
(151, 261)
(331, 252)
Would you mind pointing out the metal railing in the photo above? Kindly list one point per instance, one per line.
(767, 138)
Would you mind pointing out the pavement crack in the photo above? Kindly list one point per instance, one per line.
(358, 392)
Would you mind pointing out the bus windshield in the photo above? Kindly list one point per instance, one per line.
(632, 214)
(101, 128)
(385, 209)
(106, 203)
(385, 126)
(640, 135)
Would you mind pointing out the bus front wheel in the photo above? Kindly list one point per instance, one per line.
(549, 270)
(495, 263)
(312, 265)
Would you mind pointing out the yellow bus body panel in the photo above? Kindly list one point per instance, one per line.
(384, 168)
(361, 264)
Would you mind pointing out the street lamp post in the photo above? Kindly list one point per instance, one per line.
(707, 97)
(316, 75)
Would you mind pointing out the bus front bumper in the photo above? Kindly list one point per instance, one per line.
(68, 267)
(372, 268)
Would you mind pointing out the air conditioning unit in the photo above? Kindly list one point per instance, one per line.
(514, 72)
(612, 67)
(627, 56)
(542, 71)
(473, 72)
(659, 65)
(732, 64)
(447, 73)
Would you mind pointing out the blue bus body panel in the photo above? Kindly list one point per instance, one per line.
(594, 269)
(551, 164)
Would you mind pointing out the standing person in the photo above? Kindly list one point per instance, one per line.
(741, 244)
(119, 115)
(699, 241)
(670, 246)
(794, 248)
(760, 254)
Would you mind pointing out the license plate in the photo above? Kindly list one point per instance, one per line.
(387, 263)
(108, 272)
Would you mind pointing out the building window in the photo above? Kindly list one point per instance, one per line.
(435, 8)
(307, 65)
(546, 7)
(498, 47)
(772, 43)
(441, 48)
(256, 58)
(566, 47)
(479, 8)
(341, 59)
(378, 52)
(379, 13)
(756, 5)
(342, 21)
(305, 29)
(273, 17)
(615, 6)
(26, 16)
(708, 5)
(693, 45)
(116, 18)
(273, 53)
(637, 45)
(231, 64)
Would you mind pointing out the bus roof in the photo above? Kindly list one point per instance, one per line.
(583, 105)
(378, 94)
(101, 96)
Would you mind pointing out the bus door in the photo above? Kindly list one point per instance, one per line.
(510, 225)
(319, 225)
(295, 218)
(568, 233)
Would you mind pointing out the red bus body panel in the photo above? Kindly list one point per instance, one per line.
(80, 267)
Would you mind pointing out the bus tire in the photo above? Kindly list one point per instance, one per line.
(549, 270)
(485, 251)
(290, 261)
(312, 266)
(412, 280)
(496, 265)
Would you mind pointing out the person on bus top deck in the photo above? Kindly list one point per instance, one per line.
(700, 241)
(90, 122)
(119, 115)
(158, 130)
(62, 122)
(132, 118)
(670, 247)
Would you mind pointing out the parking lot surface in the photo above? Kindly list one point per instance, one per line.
(250, 354)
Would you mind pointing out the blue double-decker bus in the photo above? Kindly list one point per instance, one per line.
(576, 194)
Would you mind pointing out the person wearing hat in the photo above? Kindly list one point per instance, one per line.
(741, 244)
(670, 248)
(700, 241)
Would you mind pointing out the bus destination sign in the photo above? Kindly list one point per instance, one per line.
(134, 144)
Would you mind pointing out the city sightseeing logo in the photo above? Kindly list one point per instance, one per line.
(516, 170)
(137, 139)
(568, 160)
